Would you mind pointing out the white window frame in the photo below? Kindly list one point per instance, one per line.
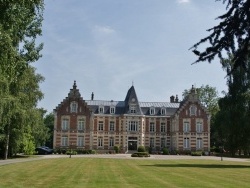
(80, 141)
(163, 127)
(64, 141)
(163, 111)
(112, 110)
(73, 107)
(101, 109)
(81, 124)
(186, 127)
(111, 141)
(199, 127)
(132, 109)
(133, 126)
(186, 143)
(100, 142)
(151, 127)
(163, 142)
(152, 111)
(152, 142)
(100, 126)
(199, 143)
(111, 126)
(192, 110)
(65, 124)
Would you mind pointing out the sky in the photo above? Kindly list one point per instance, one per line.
(107, 46)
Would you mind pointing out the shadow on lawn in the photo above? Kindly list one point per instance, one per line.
(198, 166)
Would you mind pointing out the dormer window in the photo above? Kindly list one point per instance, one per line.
(132, 110)
(101, 109)
(73, 106)
(152, 111)
(163, 111)
(112, 110)
(192, 110)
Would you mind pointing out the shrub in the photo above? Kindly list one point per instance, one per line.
(71, 152)
(165, 151)
(141, 149)
(196, 153)
(117, 149)
(140, 154)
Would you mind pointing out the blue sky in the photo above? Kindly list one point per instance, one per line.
(106, 45)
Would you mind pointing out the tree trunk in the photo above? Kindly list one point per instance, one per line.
(7, 143)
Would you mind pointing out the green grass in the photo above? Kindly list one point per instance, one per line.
(94, 172)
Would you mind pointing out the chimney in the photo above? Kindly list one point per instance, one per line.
(92, 96)
(172, 99)
(176, 99)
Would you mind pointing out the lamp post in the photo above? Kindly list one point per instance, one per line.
(222, 148)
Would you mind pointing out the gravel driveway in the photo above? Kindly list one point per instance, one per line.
(124, 156)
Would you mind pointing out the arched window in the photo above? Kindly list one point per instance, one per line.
(192, 110)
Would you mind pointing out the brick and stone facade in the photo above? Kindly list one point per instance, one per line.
(101, 125)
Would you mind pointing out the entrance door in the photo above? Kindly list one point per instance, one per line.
(132, 145)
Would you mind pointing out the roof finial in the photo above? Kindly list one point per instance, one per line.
(132, 82)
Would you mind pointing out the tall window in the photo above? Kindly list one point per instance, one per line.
(73, 106)
(152, 127)
(133, 126)
(132, 110)
(112, 110)
(81, 124)
(199, 143)
(163, 142)
(111, 142)
(64, 141)
(111, 126)
(199, 127)
(186, 143)
(186, 127)
(152, 142)
(163, 127)
(65, 124)
(80, 141)
(163, 111)
(193, 110)
(100, 126)
(100, 142)
(152, 111)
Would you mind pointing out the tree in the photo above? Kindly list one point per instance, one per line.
(20, 24)
(49, 123)
(231, 35)
(232, 120)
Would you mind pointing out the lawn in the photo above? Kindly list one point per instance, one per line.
(94, 172)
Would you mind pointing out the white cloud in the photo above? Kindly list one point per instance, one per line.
(183, 1)
(104, 29)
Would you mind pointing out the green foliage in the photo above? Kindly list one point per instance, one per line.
(117, 149)
(232, 121)
(231, 35)
(140, 154)
(141, 149)
(196, 153)
(165, 151)
(20, 24)
(49, 124)
(71, 152)
(208, 97)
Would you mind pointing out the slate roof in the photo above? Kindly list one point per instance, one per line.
(171, 108)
